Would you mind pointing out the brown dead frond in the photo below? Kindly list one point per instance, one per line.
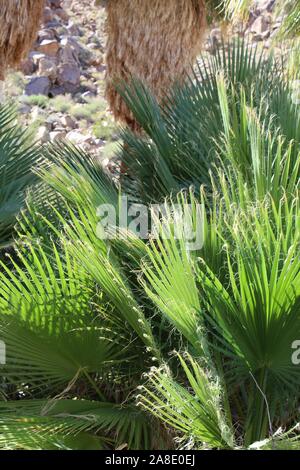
(19, 23)
(155, 41)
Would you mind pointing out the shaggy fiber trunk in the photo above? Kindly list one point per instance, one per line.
(155, 41)
(19, 23)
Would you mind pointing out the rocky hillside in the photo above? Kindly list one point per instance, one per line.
(60, 87)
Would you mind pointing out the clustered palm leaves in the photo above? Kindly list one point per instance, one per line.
(145, 343)
(17, 158)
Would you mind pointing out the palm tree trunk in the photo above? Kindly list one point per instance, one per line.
(155, 41)
(19, 23)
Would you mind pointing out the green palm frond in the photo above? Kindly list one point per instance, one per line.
(70, 425)
(17, 160)
(247, 308)
(107, 272)
(75, 180)
(282, 440)
(253, 148)
(170, 272)
(291, 24)
(87, 310)
(181, 140)
(51, 325)
(77, 176)
(236, 8)
(195, 411)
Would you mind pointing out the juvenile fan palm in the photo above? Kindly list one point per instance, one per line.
(239, 316)
(71, 333)
(77, 329)
(183, 140)
(109, 336)
(65, 340)
(158, 41)
(17, 159)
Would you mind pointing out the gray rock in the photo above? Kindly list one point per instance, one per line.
(55, 3)
(99, 142)
(37, 114)
(71, 43)
(24, 108)
(38, 86)
(48, 15)
(56, 90)
(53, 121)
(216, 33)
(93, 46)
(277, 25)
(266, 5)
(62, 14)
(68, 76)
(46, 34)
(81, 53)
(87, 96)
(68, 55)
(73, 29)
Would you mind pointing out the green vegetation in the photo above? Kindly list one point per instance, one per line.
(17, 159)
(36, 100)
(62, 103)
(117, 341)
(91, 111)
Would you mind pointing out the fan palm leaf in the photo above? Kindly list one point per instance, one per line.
(195, 413)
(17, 160)
(181, 142)
(71, 424)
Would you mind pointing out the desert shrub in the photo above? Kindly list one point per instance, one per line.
(36, 100)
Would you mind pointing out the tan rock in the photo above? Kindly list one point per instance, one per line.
(49, 47)
(36, 57)
(57, 135)
(47, 68)
(27, 66)
(43, 135)
(68, 121)
(260, 25)
(77, 138)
